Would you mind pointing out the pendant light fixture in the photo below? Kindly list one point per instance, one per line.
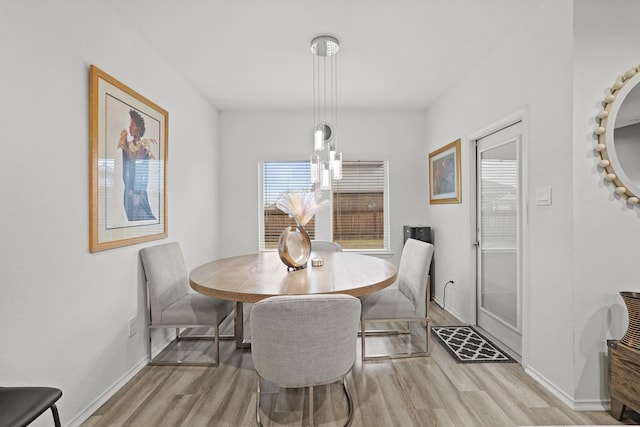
(326, 161)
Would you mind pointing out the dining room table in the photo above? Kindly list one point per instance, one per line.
(254, 277)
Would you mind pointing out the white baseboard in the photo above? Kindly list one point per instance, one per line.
(115, 387)
(576, 405)
(108, 393)
(451, 312)
(591, 405)
(565, 398)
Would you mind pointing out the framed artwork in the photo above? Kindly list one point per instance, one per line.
(128, 137)
(444, 174)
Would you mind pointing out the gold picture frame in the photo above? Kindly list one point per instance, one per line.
(128, 137)
(444, 175)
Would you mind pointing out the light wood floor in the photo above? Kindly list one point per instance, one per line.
(433, 391)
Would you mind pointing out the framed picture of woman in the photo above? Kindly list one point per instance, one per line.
(444, 174)
(128, 155)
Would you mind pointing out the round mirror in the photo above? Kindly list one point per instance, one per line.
(619, 136)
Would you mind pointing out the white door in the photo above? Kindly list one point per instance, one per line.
(498, 212)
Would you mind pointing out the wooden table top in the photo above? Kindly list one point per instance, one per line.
(251, 278)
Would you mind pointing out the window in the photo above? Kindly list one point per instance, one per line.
(359, 208)
(499, 200)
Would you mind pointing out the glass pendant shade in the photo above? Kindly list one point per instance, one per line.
(336, 165)
(325, 176)
(318, 138)
(315, 168)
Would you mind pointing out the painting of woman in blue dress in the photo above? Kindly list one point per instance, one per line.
(135, 169)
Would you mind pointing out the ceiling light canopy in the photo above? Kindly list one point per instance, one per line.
(325, 46)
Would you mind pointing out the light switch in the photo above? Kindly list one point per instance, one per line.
(543, 196)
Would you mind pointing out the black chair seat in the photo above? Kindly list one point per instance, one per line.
(19, 406)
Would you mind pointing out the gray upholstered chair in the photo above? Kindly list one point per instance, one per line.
(325, 246)
(404, 302)
(304, 341)
(172, 303)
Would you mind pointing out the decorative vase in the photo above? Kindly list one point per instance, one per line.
(632, 337)
(294, 247)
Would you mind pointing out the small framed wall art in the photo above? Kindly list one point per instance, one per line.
(444, 174)
(128, 137)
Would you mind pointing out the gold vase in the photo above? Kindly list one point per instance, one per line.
(294, 247)
(632, 337)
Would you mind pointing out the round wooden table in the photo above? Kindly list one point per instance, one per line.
(251, 278)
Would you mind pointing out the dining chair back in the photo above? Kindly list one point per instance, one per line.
(172, 305)
(325, 246)
(304, 341)
(405, 303)
(413, 273)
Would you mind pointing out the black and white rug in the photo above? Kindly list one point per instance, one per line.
(466, 345)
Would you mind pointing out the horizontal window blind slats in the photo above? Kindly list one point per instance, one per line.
(279, 178)
(498, 186)
(361, 177)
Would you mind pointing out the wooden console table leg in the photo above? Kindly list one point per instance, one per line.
(617, 409)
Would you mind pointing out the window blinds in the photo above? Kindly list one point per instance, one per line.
(499, 199)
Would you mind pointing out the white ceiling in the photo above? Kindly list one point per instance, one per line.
(254, 54)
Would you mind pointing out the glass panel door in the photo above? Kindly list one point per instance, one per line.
(499, 202)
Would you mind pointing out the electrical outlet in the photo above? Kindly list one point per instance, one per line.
(132, 326)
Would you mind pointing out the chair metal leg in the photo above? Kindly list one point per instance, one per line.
(149, 350)
(56, 416)
(349, 404)
(215, 351)
(216, 345)
(347, 393)
(364, 333)
(258, 420)
(349, 401)
(311, 424)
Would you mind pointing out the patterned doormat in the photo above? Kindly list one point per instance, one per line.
(466, 345)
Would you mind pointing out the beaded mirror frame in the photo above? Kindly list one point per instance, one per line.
(609, 161)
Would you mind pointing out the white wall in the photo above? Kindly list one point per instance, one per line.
(64, 312)
(529, 72)
(250, 137)
(606, 246)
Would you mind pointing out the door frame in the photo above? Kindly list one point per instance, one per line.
(518, 116)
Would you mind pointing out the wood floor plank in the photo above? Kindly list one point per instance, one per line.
(395, 401)
(440, 418)
(511, 403)
(486, 411)
(514, 385)
(457, 374)
(432, 391)
(412, 375)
